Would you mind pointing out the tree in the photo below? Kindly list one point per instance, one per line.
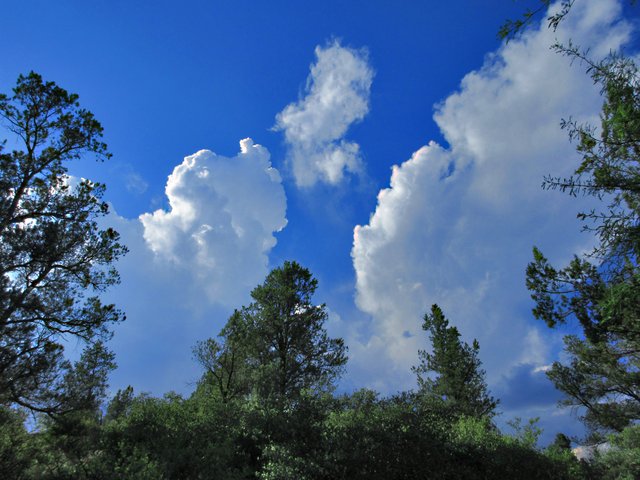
(54, 259)
(277, 346)
(16, 451)
(561, 442)
(84, 385)
(71, 434)
(511, 28)
(621, 459)
(601, 289)
(171, 437)
(289, 346)
(459, 381)
(225, 360)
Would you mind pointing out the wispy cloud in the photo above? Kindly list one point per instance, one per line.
(336, 96)
(134, 183)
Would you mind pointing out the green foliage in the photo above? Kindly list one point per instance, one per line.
(15, 450)
(276, 347)
(622, 460)
(358, 436)
(174, 438)
(290, 349)
(275, 361)
(609, 169)
(84, 386)
(54, 259)
(226, 361)
(599, 378)
(68, 443)
(365, 437)
(120, 405)
(482, 452)
(281, 464)
(561, 443)
(459, 384)
(527, 434)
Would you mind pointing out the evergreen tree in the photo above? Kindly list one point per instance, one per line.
(601, 290)
(226, 360)
(54, 259)
(277, 346)
(459, 381)
(290, 347)
(70, 436)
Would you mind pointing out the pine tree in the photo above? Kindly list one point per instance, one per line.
(54, 258)
(459, 379)
(276, 347)
(600, 290)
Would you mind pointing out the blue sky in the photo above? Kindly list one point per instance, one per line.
(397, 151)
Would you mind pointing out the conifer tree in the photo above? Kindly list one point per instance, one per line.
(55, 260)
(276, 347)
(459, 379)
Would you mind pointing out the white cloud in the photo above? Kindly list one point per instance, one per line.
(188, 266)
(457, 224)
(222, 216)
(336, 96)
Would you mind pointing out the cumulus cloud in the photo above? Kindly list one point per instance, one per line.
(456, 225)
(336, 96)
(222, 216)
(190, 264)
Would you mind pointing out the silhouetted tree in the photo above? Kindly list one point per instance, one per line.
(54, 259)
